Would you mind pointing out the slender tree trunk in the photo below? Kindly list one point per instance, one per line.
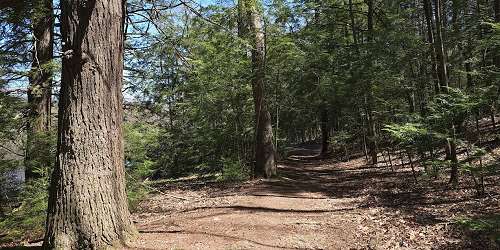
(497, 20)
(413, 172)
(372, 133)
(40, 90)
(452, 149)
(492, 116)
(390, 160)
(440, 49)
(353, 24)
(363, 128)
(370, 19)
(325, 129)
(250, 27)
(468, 70)
(430, 39)
(411, 101)
(87, 200)
(496, 61)
(443, 79)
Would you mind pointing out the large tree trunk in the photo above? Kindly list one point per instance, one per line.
(439, 46)
(40, 90)
(250, 27)
(87, 199)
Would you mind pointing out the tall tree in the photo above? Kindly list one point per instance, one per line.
(87, 200)
(430, 39)
(372, 132)
(250, 27)
(40, 90)
(439, 45)
(497, 20)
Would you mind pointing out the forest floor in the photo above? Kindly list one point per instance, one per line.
(319, 204)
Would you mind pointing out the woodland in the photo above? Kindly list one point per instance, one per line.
(249, 124)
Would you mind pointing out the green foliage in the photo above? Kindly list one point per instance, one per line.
(25, 211)
(489, 225)
(407, 134)
(137, 191)
(451, 109)
(203, 97)
(191, 74)
(434, 166)
(141, 139)
(11, 117)
(340, 138)
(234, 170)
(42, 150)
(26, 220)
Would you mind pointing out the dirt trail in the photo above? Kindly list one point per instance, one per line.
(314, 204)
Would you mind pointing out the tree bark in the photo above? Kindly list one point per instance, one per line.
(325, 131)
(497, 20)
(370, 20)
(372, 137)
(353, 24)
(372, 134)
(496, 51)
(430, 39)
(497, 10)
(87, 200)
(250, 27)
(452, 156)
(40, 90)
(439, 46)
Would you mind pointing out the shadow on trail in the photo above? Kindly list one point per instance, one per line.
(224, 236)
(429, 202)
(304, 175)
(257, 209)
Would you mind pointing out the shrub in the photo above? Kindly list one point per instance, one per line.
(233, 170)
(27, 220)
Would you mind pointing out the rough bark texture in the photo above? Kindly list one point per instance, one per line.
(40, 90)
(87, 199)
(250, 27)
